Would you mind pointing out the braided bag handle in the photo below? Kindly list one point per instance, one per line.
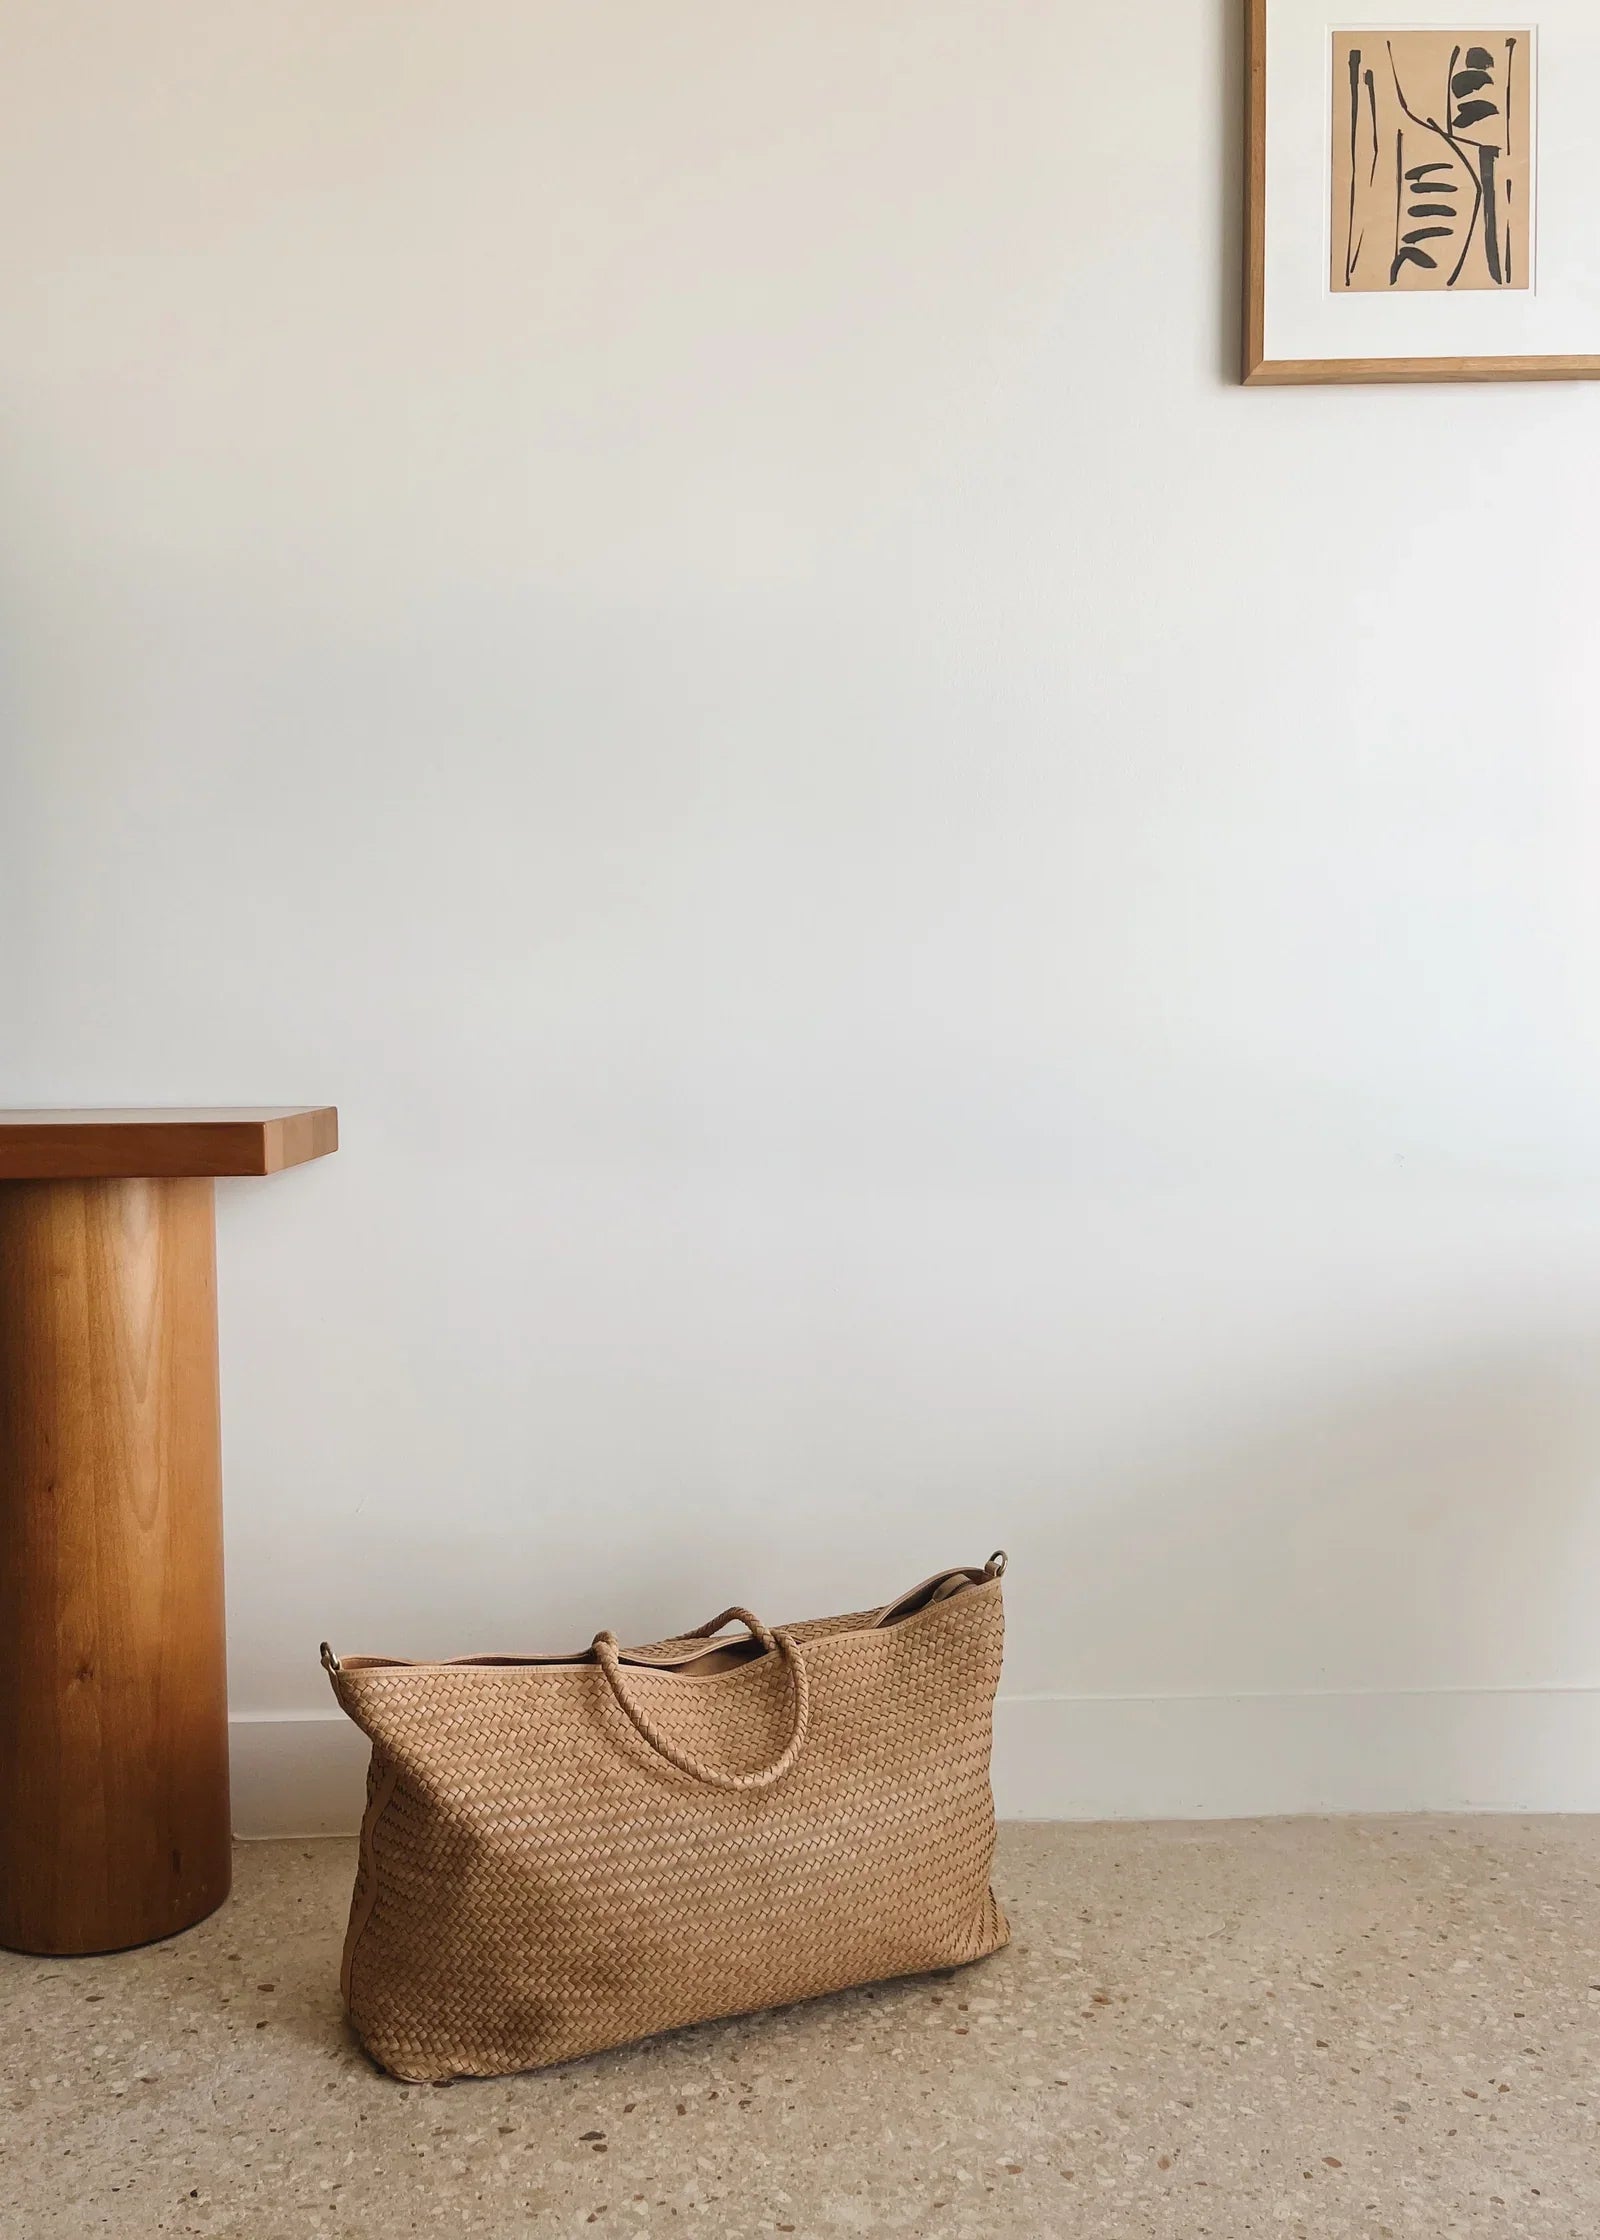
(609, 1660)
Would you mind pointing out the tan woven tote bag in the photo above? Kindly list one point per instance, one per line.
(563, 1853)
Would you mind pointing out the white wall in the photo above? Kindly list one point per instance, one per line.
(931, 925)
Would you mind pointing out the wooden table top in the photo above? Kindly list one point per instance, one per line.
(46, 1146)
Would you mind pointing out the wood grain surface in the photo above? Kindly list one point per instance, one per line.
(245, 1139)
(114, 1821)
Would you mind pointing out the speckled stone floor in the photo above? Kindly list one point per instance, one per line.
(1312, 2028)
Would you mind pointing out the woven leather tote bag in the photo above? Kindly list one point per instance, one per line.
(564, 1853)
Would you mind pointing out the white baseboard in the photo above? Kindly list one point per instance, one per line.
(305, 1775)
(1248, 1757)
(1124, 1758)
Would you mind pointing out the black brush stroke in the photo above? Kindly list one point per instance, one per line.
(1372, 105)
(1399, 197)
(1472, 227)
(1511, 56)
(1491, 218)
(1355, 127)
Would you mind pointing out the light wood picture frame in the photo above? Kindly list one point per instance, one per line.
(1295, 67)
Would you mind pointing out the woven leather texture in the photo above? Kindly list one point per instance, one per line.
(537, 1881)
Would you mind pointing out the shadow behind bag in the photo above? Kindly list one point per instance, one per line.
(562, 1854)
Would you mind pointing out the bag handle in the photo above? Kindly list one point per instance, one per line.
(610, 1663)
(746, 1618)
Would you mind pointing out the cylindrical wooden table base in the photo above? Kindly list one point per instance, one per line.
(114, 1823)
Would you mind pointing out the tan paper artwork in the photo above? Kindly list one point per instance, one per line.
(1431, 161)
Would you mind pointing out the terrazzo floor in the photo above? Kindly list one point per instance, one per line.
(1319, 2028)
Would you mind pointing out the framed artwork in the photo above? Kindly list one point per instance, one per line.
(1423, 194)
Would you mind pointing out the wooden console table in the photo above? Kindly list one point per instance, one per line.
(114, 1823)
